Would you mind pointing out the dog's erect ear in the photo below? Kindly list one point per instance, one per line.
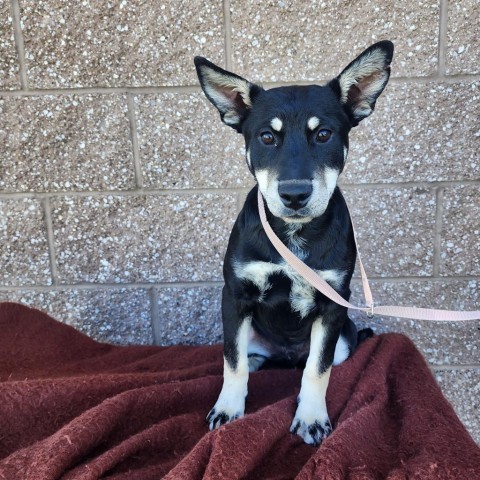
(231, 94)
(363, 80)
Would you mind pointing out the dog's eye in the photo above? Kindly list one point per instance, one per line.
(323, 135)
(267, 138)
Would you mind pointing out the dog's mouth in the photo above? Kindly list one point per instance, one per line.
(297, 218)
(289, 215)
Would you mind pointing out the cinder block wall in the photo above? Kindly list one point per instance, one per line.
(119, 185)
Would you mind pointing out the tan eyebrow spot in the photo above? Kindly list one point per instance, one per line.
(276, 124)
(313, 123)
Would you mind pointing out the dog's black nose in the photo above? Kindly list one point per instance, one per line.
(295, 194)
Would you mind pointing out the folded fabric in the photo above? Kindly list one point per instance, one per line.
(73, 408)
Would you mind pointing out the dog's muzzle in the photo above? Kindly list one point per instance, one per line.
(295, 194)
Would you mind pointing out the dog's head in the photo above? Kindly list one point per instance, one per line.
(297, 137)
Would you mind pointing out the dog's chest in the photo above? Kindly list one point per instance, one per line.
(269, 278)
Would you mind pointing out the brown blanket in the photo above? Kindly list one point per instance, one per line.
(72, 408)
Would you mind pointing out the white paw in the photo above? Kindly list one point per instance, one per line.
(311, 423)
(226, 410)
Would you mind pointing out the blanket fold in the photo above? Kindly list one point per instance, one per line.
(75, 409)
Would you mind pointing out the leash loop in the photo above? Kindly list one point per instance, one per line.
(322, 286)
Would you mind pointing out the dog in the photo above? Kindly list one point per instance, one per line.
(296, 140)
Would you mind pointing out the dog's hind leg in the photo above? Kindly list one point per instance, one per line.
(255, 362)
(347, 342)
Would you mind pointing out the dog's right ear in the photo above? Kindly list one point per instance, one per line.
(231, 94)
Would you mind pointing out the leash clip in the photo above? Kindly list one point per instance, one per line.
(371, 313)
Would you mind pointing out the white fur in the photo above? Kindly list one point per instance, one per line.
(235, 381)
(333, 277)
(331, 177)
(296, 243)
(312, 405)
(257, 273)
(249, 160)
(313, 123)
(323, 183)
(342, 351)
(365, 66)
(213, 84)
(276, 124)
(302, 294)
(369, 74)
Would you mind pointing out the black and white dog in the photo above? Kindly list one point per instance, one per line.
(296, 142)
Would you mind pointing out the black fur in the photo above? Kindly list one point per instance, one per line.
(296, 139)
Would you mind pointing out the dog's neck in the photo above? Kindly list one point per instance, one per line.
(297, 235)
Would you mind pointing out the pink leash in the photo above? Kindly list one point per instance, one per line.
(315, 280)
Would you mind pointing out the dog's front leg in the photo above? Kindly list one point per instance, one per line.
(311, 420)
(231, 402)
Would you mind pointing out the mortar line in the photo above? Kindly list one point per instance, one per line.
(408, 184)
(440, 368)
(117, 193)
(112, 286)
(437, 240)
(450, 79)
(122, 193)
(417, 279)
(442, 37)
(209, 284)
(225, 191)
(50, 240)
(19, 43)
(227, 24)
(103, 90)
(134, 139)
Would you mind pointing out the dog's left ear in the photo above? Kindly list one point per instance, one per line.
(230, 93)
(363, 80)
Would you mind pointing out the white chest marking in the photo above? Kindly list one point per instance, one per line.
(302, 294)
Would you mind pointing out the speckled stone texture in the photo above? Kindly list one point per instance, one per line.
(414, 135)
(24, 257)
(395, 229)
(70, 142)
(189, 316)
(183, 144)
(463, 39)
(462, 389)
(121, 316)
(9, 68)
(286, 40)
(118, 43)
(142, 238)
(460, 247)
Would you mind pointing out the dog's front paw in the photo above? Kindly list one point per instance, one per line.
(311, 425)
(312, 433)
(216, 418)
(228, 408)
